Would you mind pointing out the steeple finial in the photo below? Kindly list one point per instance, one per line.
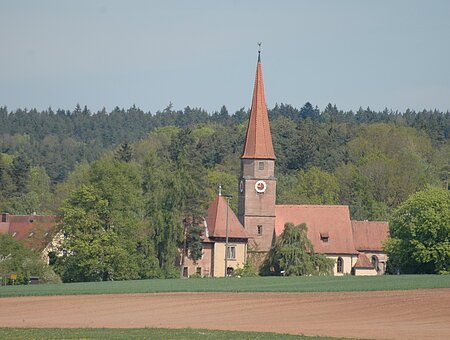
(259, 52)
(220, 189)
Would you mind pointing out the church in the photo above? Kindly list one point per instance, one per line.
(229, 240)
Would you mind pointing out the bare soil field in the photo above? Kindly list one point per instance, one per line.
(412, 314)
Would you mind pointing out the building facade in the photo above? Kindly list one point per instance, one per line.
(355, 246)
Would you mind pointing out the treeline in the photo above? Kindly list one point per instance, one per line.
(369, 160)
(58, 140)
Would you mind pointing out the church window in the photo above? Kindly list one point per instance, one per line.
(261, 165)
(340, 265)
(259, 229)
(4, 217)
(185, 272)
(231, 252)
(199, 271)
(375, 263)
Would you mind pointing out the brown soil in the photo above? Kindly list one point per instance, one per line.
(414, 314)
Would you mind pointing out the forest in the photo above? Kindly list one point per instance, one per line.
(135, 175)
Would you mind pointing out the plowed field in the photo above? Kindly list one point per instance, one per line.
(412, 314)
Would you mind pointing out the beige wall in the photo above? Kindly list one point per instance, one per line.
(205, 263)
(349, 261)
(365, 272)
(219, 257)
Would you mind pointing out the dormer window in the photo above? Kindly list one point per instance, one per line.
(324, 237)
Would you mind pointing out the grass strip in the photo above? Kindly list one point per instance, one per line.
(141, 333)
(248, 284)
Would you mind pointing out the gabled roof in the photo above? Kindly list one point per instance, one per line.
(32, 230)
(369, 235)
(363, 262)
(258, 141)
(217, 220)
(329, 223)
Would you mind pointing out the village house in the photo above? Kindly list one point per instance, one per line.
(36, 232)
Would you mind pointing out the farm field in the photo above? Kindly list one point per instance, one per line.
(142, 333)
(249, 284)
(405, 314)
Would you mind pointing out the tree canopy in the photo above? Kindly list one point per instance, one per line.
(293, 255)
(420, 234)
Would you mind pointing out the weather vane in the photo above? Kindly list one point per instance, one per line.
(259, 51)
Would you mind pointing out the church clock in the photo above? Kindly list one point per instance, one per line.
(260, 187)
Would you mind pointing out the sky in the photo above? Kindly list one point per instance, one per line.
(377, 54)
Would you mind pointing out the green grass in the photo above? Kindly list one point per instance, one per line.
(139, 333)
(250, 284)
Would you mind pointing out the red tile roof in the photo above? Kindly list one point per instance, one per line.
(326, 220)
(30, 229)
(217, 220)
(369, 235)
(258, 141)
(363, 262)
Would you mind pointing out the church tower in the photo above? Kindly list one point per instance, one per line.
(257, 183)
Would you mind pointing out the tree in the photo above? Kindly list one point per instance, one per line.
(194, 242)
(18, 259)
(93, 250)
(294, 254)
(313, 186)
(20, 169)
(420, 233)
(124, 153)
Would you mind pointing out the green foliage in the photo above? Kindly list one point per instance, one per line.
(348, 283)
(143, 333)
(194, 242)
(124, 153)
(294, 254)
(420, 233)
(246, 271)
(18, 259)
(313, 186)
(92, 246)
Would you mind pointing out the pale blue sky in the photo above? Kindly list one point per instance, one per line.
(393, 54)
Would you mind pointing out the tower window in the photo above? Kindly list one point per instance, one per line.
(261, 165)
(259, 229)
(199, 271)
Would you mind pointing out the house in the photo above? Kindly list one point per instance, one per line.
(34, 231)
(222, 230)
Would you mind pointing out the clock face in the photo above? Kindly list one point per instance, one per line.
(260, 186)
(241, 186)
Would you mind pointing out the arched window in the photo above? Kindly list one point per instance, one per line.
(340, 265)
(375, 263)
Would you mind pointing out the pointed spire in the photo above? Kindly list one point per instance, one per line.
(258, 141)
